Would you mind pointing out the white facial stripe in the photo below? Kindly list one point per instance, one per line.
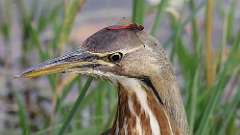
(138, 123)
(131, 50)
(102, 62)
(124, 51)
(125, 126)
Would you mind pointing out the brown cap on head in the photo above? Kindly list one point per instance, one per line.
(114, 38)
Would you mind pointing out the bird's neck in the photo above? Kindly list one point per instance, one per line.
(140, 111)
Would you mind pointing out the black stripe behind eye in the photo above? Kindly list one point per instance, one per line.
(148, 82)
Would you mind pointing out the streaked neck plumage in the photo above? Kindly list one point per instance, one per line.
(149, 106)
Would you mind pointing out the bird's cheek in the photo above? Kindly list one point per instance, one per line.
(103, 69)
(126, 71)
(114, 70)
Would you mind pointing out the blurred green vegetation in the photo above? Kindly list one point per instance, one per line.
(208, 71)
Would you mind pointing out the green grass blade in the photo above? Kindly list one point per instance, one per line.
(192, 101)
(23, 120)
(138, 11)
(230, 19)
(75, 106)
(231, 67)
(230, 111)
(157, 20)
(100, 104)
(86, 131)
(184, 23)
(69, 18)
(218, 90)
(195, 31)
(64, 93)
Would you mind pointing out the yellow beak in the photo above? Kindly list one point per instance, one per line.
(75, 59)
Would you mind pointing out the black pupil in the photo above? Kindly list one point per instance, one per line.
(115, 57)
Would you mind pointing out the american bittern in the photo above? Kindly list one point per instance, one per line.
(149, 101)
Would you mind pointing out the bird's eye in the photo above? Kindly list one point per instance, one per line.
(115, 57)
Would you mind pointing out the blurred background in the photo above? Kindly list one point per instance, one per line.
(201, 37)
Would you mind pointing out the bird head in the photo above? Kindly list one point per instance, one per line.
(111, 52)
(132, 58)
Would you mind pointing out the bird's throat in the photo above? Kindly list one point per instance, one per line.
(139, 111)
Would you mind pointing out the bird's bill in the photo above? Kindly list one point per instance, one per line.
(77, 59)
